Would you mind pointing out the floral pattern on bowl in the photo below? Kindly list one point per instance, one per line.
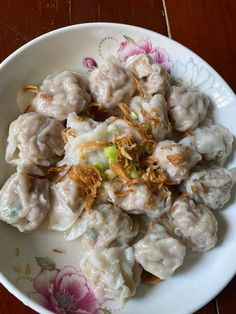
(63, 291)
(130, 48)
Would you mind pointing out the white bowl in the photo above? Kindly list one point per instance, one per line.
(202, 276)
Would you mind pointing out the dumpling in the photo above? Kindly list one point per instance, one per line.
(112, 273)
(175, 159)
(119, 127)
(186, 108)
(79, 125)
(211, 187)
(86, 140)
(36, 138)
(159, 253)
(61, 94)
(104, 226)
(67, 204)
(193, 223)
(212, 141)
(154, 112)
(152, 76)
(110, 83)
(24, 199)
(138, 199)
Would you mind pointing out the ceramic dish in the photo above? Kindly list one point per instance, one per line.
(40, 268)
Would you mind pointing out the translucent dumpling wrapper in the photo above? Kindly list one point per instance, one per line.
(138, 198)
(79, 125)
(105, 225)
(152, 76)
(213, 141)
(186, 108)
(36, 138)
(175, 159)
(24, 198)
(61, 94)
(112, 273)
(85, 141)
(67, 204)
(211, 187)
(110, 84)
(120, 127)
(154, 112)
(159, 253)
(193, 223)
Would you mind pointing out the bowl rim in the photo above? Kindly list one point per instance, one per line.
(3, 280)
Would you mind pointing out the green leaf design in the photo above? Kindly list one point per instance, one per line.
(46, 263)
(129, 39)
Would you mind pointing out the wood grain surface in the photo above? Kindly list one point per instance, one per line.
(205, 26)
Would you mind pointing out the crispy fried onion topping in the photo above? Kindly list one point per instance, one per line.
(88, 177)
(178, 158)
(143, 128)
(119, 171)
(31, 89)
(139, 87)
(35, 90)
(50, 173)
(126, 146)
(67, 132)
(155, 176)
(149, 117)
(46, 97)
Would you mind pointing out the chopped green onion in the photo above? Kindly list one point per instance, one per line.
(112, 160)
(111, 153)
(110, 174)
(134, 173)
(148, 147)
(98, 165)
(134, 115)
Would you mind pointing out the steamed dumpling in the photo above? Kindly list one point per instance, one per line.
(36, 138)
(212, 141)
(119, 127)
(110, 83)
(83, 141)
(186, 108)
(152, 76)
(159, 253)
(67, 204)
(103, 226)
(193, 223)
(61, 94)
(154, 112)
(138, 199)
(112, 273)
(24, 199)
(211, 187)
(175, 159)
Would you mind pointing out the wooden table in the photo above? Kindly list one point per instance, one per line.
(205, 26)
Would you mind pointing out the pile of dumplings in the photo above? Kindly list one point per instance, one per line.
(124, 162)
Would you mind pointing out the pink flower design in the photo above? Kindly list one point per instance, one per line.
(90, 63)
(129, 48)
(65, 291)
